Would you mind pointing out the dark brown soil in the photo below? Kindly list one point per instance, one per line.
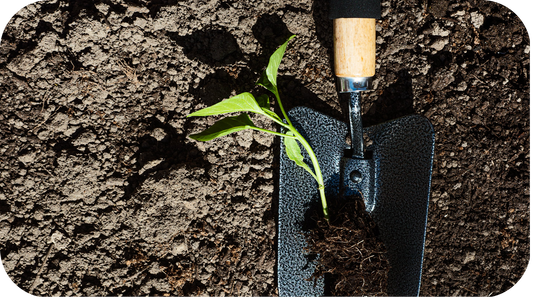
(103, 194)
(352, 258)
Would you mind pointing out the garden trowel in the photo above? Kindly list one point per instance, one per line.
(391, 171)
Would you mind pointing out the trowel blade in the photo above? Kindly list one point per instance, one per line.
(402, 157)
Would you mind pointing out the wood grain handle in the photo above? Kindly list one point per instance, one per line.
(354, 47)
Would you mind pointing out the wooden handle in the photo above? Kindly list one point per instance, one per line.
(354, 47)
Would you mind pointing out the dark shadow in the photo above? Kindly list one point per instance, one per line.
(5, 207)
(293, 94)
(49, 6)
(193, 288)
(313, 212)
(324, 27)
(395, 101)
(272, 213)
(154, 5)
(65, 145)
(84, 228)
(270, 32)
(213, 46)
(73, 62)
(77, 9)
(440, 60)
(22, 46)
(42, 27)
(491, 21)
(218, 86)
(172, 149)
(324, 33)
(90, 280)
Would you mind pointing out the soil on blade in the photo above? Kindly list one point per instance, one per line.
(352, 258)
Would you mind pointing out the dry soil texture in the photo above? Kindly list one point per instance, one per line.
(102, 193)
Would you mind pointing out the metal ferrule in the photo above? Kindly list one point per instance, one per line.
(352, 84)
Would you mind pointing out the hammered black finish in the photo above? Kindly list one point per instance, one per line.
(395, 185)
(299, 195)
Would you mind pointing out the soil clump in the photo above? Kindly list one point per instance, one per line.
(352, 257)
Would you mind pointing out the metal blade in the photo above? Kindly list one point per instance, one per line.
(395, 183)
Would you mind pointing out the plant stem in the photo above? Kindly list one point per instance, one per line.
(277, 121)
(318, 172)
(273, 132)
(281, 107)
(310, 152)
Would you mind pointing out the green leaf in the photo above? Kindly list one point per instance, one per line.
(263, 81)
(269, 76)
(275, 61)
(241, 102)
(263, 101)
(224, 127)
(294, 153)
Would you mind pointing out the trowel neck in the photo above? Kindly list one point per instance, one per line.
(353, 84)
(356, 125)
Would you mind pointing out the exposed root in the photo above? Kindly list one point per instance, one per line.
(352, 257)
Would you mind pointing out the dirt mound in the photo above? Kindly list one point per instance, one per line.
(352, 258)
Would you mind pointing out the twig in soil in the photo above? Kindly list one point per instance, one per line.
(130, 72)
(46, 118)
(131, 278)
(43, 264)
(468, 290)
(45, 101)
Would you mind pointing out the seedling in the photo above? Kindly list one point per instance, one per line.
(245, 102)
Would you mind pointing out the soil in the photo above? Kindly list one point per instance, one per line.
(352, 258)
(103, 194)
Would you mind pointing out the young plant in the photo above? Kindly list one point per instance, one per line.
(245, 102)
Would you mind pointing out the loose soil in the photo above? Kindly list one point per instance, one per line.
(352, 258)
(103, 194)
